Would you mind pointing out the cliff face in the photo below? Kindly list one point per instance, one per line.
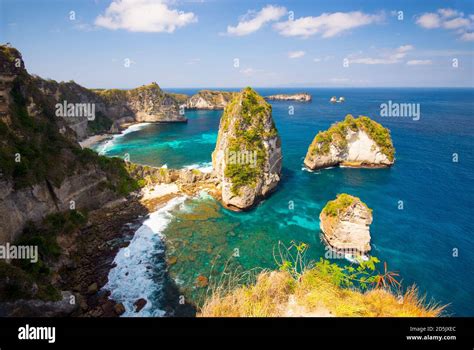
(146, 103)
(247, 159)
(70, 92)
(42, 168)
(207, 99)
(345, 224)
(113, 107)
(354, 142)
(300, 97)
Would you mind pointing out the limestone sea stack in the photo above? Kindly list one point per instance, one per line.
(354, 142)
(247, 159)
(208, 99)
(300, 97)
(345, 225)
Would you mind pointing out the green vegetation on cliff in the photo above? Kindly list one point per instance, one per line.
(101, 124)
(18, 279)
(180, 98)
(118, 177)
(120, 95)
(340, 204)
(29, 146)
(247, 113)
(32, 148)
(337, 134)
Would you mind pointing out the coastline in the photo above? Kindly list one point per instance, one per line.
(141, 254)
(94, 140)
(119, 233)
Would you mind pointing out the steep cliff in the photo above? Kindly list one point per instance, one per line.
(355, 142)
(247, 159)
(207, 99)
(112, 107)
(146, 103)
(42, 168)
(345, 225)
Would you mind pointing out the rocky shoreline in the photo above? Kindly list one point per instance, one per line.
(111, 228)
(87, 255)
(108, 230)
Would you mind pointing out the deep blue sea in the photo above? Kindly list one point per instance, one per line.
(430, 241)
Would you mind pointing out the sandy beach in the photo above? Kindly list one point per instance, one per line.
(90, 141)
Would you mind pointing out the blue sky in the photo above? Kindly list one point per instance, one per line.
(194, 43)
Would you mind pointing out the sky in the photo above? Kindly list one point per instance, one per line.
(232, 43)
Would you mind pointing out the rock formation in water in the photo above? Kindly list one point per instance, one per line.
(247, 159)
(354, 142)
(207, 99)
(300, 97)
(345, 224)
(42, 168)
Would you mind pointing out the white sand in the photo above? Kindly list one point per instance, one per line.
(90, 141)
(155, 191)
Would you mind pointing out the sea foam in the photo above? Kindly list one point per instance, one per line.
(203, 167)
(102, 148)
(133, 276)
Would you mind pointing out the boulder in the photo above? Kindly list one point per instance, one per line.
(139, 304)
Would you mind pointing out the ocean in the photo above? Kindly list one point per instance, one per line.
(422, 206)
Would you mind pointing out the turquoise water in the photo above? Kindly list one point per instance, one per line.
(417, 241)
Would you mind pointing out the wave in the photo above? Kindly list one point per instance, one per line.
(133, 277)
(103, 147)
(205, 167)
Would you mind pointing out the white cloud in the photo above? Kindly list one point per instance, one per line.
(327, 24)
(447, 13)
(249, 71)
(429, 20)
(467, 36)
(389, 57)
(253, 21)
(144, 16)
(296, 54)
(316, 59)
(449, 19)
(418, 62)
(456, 23)
(192, 61)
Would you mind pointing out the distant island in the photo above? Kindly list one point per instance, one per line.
(299, 97)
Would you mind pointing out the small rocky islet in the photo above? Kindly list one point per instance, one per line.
(345, 225)
(354, 142)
